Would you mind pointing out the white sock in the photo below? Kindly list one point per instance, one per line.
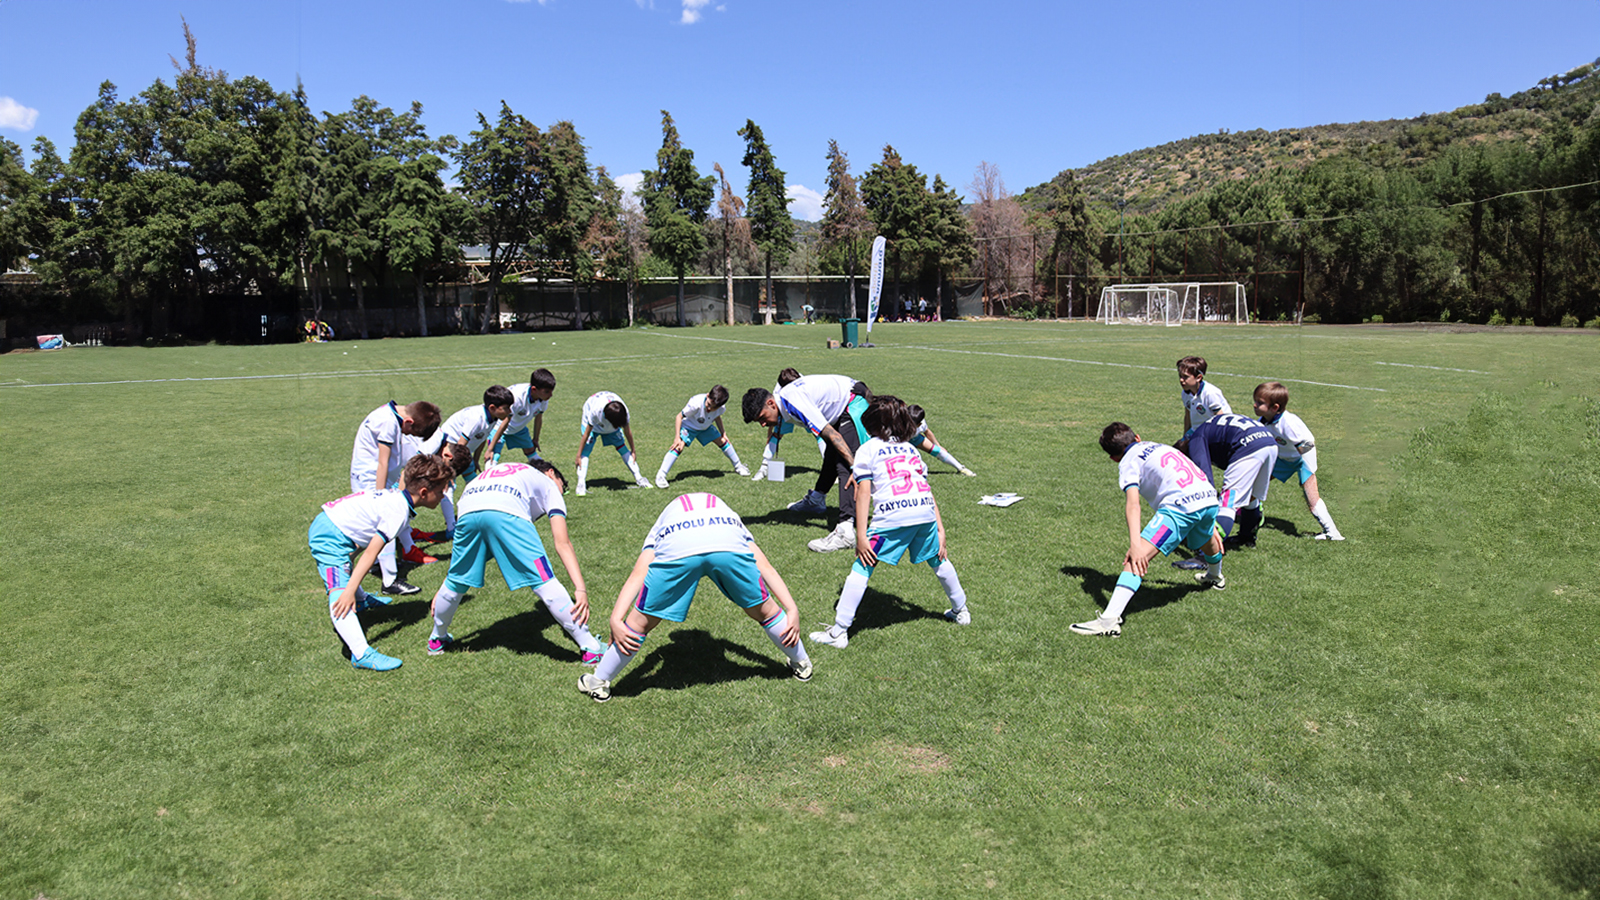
(951, 583)
(386, 564)
(633, 466)
(666, 463)
(613, 661)
(774, 627)
(1324, 518)
(583, 470)
(855, 585)
(444, 610)
(349, 629)
(559, 602)
(730, 453)
(1119, 602)
(945, 455)
(447, 508)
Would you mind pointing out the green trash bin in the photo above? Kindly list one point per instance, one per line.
(848, 326)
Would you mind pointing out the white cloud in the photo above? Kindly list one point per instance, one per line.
(15, 115)
(691, 10)
(629, 183)
(807, 204)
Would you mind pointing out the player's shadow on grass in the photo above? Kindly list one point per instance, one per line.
(524, 633)
(672, 480)
(881, 610)
(1098, 585)
(1282, 525)
(784, 516)
(691, 656)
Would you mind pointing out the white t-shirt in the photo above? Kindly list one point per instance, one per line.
(1293, 437)
(367, 514)
(1165, 477)
(695, 524)
(594, 414)
(471, 425)
(523, 407)
(815, 400)
(900, 492)
(515, 488)
(1205, 404)
(381, 427)
(695, 417)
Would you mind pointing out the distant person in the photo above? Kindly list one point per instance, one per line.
(1297, 452)
(528, 404)
(605, 419)
(1201, 401)
(376, 459)
(700, 421)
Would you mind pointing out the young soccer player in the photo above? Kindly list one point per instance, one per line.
(700, 420)
(1297, 452)
(1185, 507)
(375, 462)
(696, 536)
(1247, 453)
(498, 510)
(528, 403)
(465, 432)
(830, 407)
(776, 432)
(1201, 400)
(605, 418)
(365, 522)
(925, 441)
(892, 487)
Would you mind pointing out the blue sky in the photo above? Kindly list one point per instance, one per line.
(1031, 88)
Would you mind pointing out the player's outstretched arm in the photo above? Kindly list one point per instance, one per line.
(863, 502)
(832, 436)
(488, 446)
(582, 443)
(627, 432)
(780, 593)
(621, 635)
(347, 599)
(538, 426)
(677, 435)
(569, 559)
(1136, 560)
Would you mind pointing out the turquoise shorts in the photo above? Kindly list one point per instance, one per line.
(669, 586)
(891, 546)
(519, 439)
(1169, 526)
(708, 436)
(509, 540)
(1283, 468)
(331, 549)
(614, 439)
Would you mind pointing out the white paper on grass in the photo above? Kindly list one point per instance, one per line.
(1001, 499)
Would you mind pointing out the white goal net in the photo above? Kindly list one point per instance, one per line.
(1173, 303)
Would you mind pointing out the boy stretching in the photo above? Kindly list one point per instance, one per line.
(465, 433)
(925, 441)
(528, 403)
(365, 522)
(605, 418)
(498, 510)
(696, 536)
(1247, 453)
(1297, 452)
(776, 432)
(375, 463)
(1185, 507)
(700, 420)
(1201, 400)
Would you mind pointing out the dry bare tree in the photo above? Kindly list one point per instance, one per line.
(1005, 248)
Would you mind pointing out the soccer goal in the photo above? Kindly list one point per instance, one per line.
(1215, 301)
(1140, 304)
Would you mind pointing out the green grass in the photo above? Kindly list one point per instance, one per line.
(1411, 713)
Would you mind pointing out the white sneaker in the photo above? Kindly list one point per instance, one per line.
(1206, 579)
(581, 489)
(968, 472)
(840, 640)
(740, 469)
(661, 480)
(800, 669)
(761, 473)
(598, 689)
(1328, 536)
(643, 482)
(964, 617)
(812, 502)
(842, 537)
(1102, 627)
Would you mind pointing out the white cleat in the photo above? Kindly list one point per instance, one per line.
(740, 469)
(598, 689)
(761, 473)
(842, 537)
(841, 639)
(1099, 627)
(643, 482)
(1215, 582)
(581, 489)
(800, 669)
(964, 617)
(1328, 536)
(968, 472)
(661, 480)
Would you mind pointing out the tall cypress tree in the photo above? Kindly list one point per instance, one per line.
(676, 201)
(766, 205)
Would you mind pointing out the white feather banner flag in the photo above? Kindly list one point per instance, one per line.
(875, 291)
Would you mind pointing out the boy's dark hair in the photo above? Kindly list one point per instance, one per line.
(917, 413)
(425, 469)
(545, 465)
(616, 413)
(498, 395)
(1192, 365)
(542, 379)
(754, 400)
(424, 418)
(1273, 393)
(1116, 439)
(887, 418)
(460, 457)
(788, 375)
(717, 396)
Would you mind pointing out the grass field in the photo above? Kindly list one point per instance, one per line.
(1411, 713)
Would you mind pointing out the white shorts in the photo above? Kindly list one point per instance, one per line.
(1246, 479)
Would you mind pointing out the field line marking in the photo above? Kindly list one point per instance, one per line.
(695, 337)
(1435, 368)
(1095, 362)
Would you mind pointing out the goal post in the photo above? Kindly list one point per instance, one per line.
(1173, 303)
(1215, 301)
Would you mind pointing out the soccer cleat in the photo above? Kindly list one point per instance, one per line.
(842, 537)
(968, 472)
(437, 646)
(1192, 564)
(812, 502)
(829, 637)
(375, 661)
(963, 617)
(591, 657)
(761, 473)
(1206, 579)
(643, 482)
(1237, 542)
(1100, 627)
(417, 557)
(1328, 536)
(598, 689)
(661, 480)
(740, 469)
(417, 534)
(800, 669)
(401, 589)
(372, 601)
(582, 488)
